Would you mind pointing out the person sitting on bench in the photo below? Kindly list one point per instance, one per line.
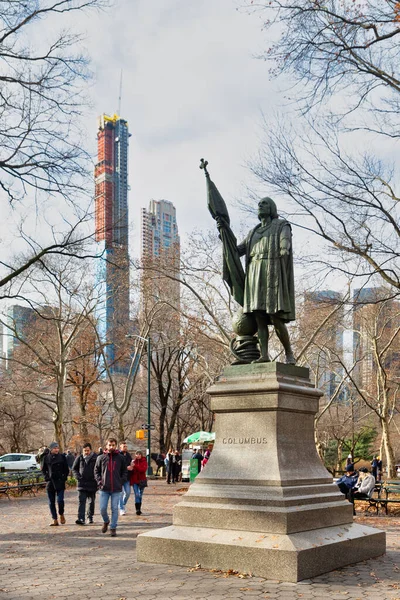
(364, 486)
(348, 481)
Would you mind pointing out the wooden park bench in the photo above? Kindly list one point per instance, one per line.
(4, 488)
(18, 483)
(390, 494)
(373, 499)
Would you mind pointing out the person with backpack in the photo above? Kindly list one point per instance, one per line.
(83, 471)
(55, 470)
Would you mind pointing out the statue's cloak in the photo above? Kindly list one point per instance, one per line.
(269, 281)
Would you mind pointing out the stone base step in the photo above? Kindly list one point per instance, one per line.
(290, 557)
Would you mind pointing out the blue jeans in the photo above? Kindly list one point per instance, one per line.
(138, 492)
(103, 503)
(126, 492)
(51, 494)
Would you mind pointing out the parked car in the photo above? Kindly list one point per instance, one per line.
(18, 462)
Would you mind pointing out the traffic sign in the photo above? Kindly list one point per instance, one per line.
(147, 426)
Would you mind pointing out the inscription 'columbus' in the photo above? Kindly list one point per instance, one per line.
(246, 440)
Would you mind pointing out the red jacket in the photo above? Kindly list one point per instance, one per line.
(139, 470)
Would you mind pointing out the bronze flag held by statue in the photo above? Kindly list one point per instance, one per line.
(232, 270)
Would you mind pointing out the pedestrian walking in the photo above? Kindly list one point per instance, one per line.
(110, 473)
(166, 461)
(55, 470)
(170, 465)
(83, 471)
(138, 479)
(126, 488)
(176, 467)
(70, 460)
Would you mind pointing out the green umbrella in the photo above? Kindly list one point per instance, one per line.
(199, 436)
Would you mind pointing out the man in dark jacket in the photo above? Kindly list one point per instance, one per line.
(83, 471)
(126, 488)
(110, 473)
(55, 470)
(347, 483)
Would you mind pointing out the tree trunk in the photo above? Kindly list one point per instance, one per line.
(389, 454)
(163, 413)
(121, 429)
(339, 456)
(83, 426)
(58, 418)
(171, 425)
(58, 429)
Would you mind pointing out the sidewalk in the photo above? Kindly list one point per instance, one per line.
(38, 561)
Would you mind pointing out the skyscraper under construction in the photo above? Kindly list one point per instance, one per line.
(111, 208)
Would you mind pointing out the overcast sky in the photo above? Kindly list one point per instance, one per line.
(192, 88)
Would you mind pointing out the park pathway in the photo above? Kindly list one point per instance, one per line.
(80, 563)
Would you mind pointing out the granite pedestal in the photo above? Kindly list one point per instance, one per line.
(264, 503)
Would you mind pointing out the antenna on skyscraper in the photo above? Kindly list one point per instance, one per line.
(120, 95)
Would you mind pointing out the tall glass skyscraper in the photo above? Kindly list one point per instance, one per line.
(159, 230)
(111, 209)
(160, 252)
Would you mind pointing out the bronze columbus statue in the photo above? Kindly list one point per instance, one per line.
(265, 289)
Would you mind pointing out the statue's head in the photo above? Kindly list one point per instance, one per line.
(267, 208)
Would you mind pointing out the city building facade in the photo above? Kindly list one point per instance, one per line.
(376, 318)
(18, 321)
(326, 362)
(160, 252)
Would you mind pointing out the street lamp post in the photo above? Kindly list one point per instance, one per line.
(149, 467)
(148, 451)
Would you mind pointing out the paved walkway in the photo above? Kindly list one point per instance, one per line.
(69, 561)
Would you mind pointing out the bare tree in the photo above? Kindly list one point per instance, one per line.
(41, 97)
(190, 335)
(20, 421)
(333, 47)
(43, 160)
(328, 157)
(378, 384)
(62, 307)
